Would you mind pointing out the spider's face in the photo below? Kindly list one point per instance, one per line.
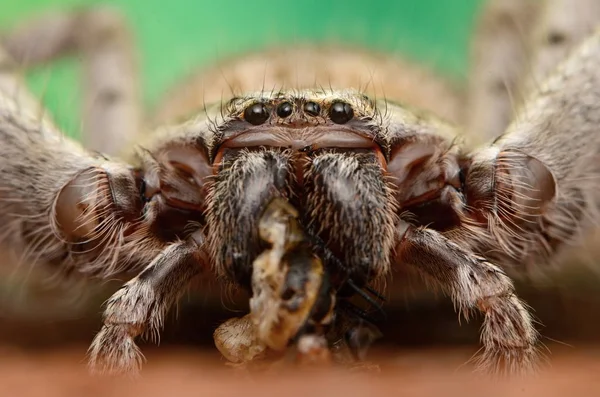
(343, 161)
(324, 153)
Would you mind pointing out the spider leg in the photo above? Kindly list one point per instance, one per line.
(517, 43)
(534, 190)
(60, 204)
(509, 337)
(111, 113)
(529, 195)
(12, 86)
(140, 306)
(498, 59)
(561, 26)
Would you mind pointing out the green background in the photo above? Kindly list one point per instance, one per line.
(175, 36)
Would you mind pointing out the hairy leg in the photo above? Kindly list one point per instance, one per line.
(516, 44)
(498, 59)
(508, 335)
(12, 87)
(562, 25)
(111, 113)
(59, 203)
(140, 306)
(536, 187)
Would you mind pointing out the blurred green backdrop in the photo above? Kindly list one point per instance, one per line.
(175, 36)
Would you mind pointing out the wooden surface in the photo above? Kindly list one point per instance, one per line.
(193, 373)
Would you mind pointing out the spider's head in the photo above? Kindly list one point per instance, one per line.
(320, 151)
(345, 162)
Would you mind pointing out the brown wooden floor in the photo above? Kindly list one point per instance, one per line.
(182, 373)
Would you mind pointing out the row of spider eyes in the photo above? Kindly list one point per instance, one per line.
(258, 113)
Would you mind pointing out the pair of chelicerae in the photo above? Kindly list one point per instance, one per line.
(367, 183)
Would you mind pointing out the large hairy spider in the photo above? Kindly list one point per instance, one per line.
(376, 184)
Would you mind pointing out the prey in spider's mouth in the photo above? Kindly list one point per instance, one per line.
(293, 301)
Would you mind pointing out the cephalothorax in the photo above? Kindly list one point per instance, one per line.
(376, 185)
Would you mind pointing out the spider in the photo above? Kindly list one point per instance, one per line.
(378, 184)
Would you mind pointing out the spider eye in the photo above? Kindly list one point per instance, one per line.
(256, 114)
(284, 109)
(341, 112)
(312, 108)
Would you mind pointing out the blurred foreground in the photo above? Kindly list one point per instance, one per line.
(182, 373)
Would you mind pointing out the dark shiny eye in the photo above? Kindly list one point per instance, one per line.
(284, 109)
(341, 112)
(256, 114)
(312, 108)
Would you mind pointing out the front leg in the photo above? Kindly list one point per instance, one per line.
(508, 335)
(140, 306)
(517, 44)
(112, 114)
(499, 58)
